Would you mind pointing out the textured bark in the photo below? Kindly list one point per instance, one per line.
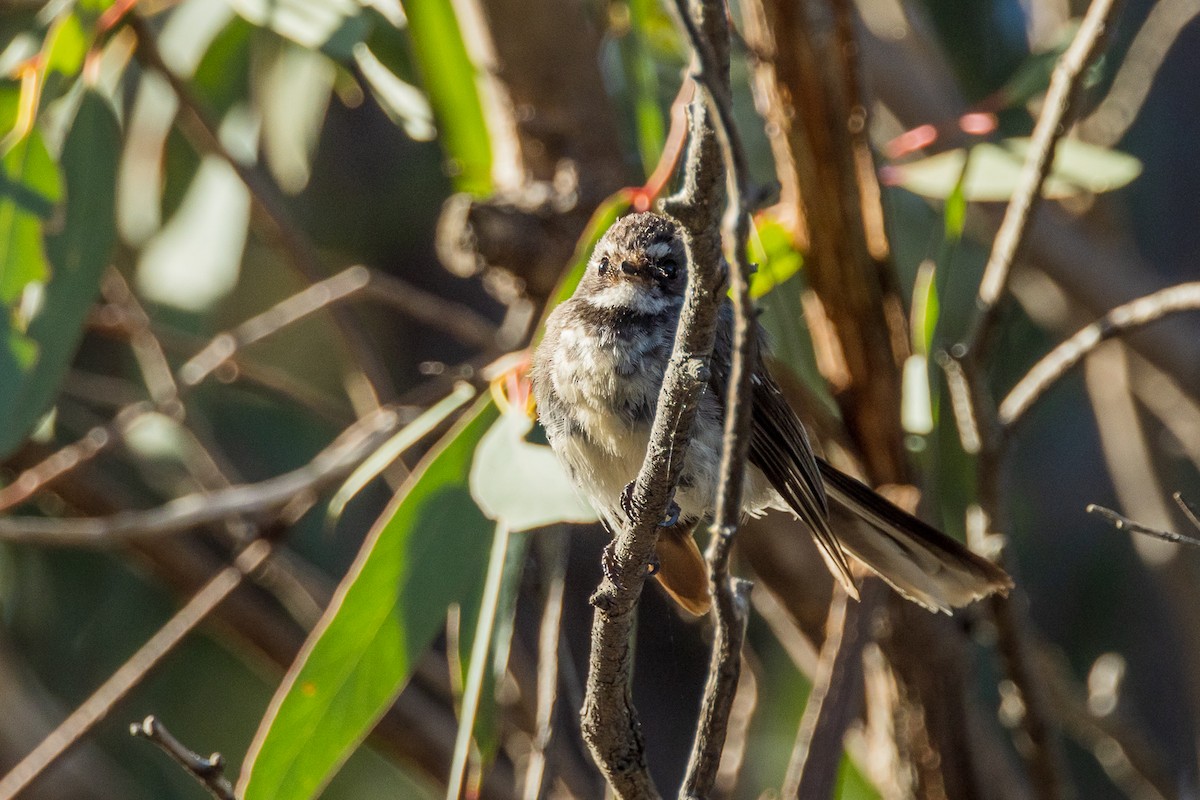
(806, 83)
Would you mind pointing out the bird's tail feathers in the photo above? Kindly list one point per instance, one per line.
(920, 562)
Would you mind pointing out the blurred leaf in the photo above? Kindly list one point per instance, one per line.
(295, 96)
(772, 249)
(392, 449)
(334, 26)
(404, 103)
(993, 171)
(448, 76)
(28, 193)
(78, 255)
(523, 485)
(426, 552)
(65, 46)
(642, 73)
(925, 308)
(1033, 76)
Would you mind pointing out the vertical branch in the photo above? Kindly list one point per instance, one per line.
(705, 25)
(609, 720)
(1042, 750)
(1064, 86)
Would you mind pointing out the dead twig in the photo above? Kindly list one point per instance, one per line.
(1121, 320)
(1123, 523)
(196, 370)
(332, 464)
(209, 772)
(1060, 97)
(132, 672)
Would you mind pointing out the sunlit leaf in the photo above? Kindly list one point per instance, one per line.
(404, 103)
(296, 91)
(521, 484)
(392, 449)
(78, 256)
(30, 188)
(774, 253)
(642, 74)
(332, 25)
(428, 550)
(448, 77)
(65, 46)
(993, 171)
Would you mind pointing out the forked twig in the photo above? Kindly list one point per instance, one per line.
(209, 772)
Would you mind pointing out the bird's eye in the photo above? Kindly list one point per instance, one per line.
(603, 268)
(669, 269)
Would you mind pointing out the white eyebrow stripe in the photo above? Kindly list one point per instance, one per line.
(659, 249)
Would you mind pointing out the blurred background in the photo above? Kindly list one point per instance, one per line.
(173, 168)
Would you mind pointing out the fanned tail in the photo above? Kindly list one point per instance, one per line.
(917, 560)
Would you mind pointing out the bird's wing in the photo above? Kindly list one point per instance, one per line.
(779, 448)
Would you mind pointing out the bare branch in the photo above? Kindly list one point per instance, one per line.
(133, 671)
(1123, 523)
(835, 698)
(215, 354)
(329, 466)
(1119, 321)
(706, 26)
(1064, 86)
(210, 772)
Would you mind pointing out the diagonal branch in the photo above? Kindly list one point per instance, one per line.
(705, 25)
(1060, 97)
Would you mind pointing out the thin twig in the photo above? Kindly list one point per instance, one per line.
(133, 671)
(329, 466)
(268, 209)
(209, 772)
(1064, 86)
(552, 552)
(1119, 321)
(832, 703)
(706, 26)
(1123, 523)
(215, 354)
(609, 720)
(460, 321)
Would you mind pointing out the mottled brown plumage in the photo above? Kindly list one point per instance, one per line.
(597, 375)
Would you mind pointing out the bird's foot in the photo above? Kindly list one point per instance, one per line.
(630, 508)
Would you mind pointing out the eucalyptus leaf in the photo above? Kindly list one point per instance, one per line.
(449, 79)
(427, 550)
(520, 484)
(994, 170)
(78, 256)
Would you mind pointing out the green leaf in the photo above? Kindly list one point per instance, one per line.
(993, 171)
(523, 485)
(428, 550)
(772, 249)
(66, 45)
(29, 188)
(78, 256)
(333, 26)
(641, 70)
(449, 79)
(404, 103)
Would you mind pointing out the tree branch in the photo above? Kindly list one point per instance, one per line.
(133, 671)
(1121, 320)
(210, 772)
(1060, 97)
(333, 463)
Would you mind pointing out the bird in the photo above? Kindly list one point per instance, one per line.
(596, 376)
